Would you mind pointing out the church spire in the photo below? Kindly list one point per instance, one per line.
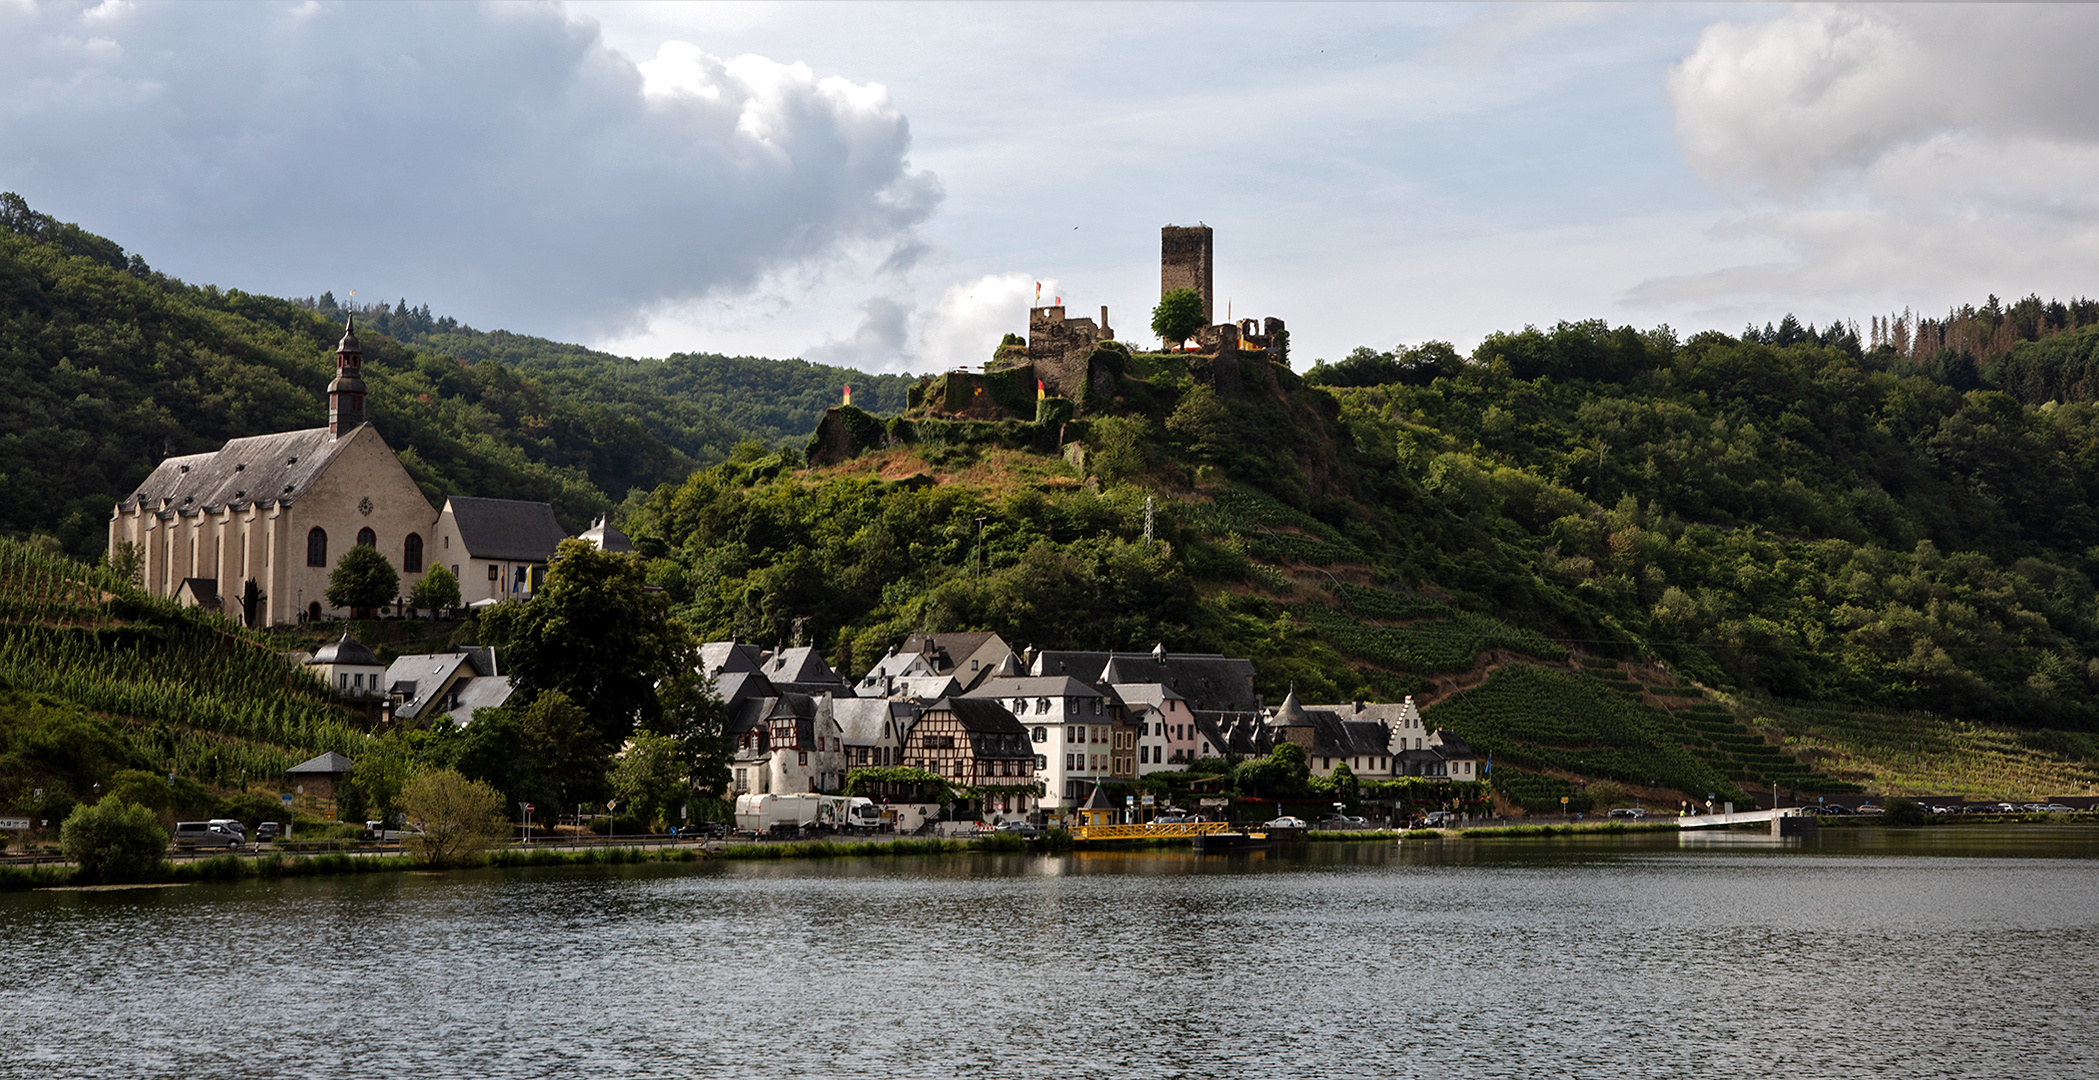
(346, 393)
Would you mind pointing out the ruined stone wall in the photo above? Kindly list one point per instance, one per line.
(1185, 263)
(1060, 349)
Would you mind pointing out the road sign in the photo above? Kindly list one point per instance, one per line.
(286, 797)
(1149, 800)
(14, 824)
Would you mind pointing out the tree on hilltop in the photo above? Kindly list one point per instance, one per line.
(1179, 314)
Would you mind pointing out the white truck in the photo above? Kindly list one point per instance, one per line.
(806, 813)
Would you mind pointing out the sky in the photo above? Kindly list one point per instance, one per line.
(883, 185)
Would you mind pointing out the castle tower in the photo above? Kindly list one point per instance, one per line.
(1184, 263)
(346, 393)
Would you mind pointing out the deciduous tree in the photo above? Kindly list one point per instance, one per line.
(1179, 314)
(363, 579)
(113, 841)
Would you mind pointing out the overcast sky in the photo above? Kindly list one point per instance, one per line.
(883, 185)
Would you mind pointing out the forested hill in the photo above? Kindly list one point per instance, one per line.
(773, 401)
(1812, 515)
(107, 366)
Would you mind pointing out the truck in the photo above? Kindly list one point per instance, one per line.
(762, 814)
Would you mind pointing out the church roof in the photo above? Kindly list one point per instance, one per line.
(509, 529)
(257, 469)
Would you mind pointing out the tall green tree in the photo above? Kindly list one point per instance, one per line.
(696, 722)
(1179, 314)
(594, 633)
(363, 579)
(438, 591)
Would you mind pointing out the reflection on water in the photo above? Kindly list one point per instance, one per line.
(1851, 953)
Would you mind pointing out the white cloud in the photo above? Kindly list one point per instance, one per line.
(499, 162)
(1921, 154)
(967, 322)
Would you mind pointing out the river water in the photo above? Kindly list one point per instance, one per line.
(1970, 952)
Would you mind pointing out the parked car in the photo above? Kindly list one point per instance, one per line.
(2058, 808)
(1341, 821)
(1023, 829)
(1633, 812)
(1285, 822)
(1436, 819)
(204, 834)
(705, 830)
(267, 831)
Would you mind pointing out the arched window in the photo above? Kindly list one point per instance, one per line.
(412, 554)
(367, 538)
(317, 547)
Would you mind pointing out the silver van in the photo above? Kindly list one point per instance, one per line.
(206, 834)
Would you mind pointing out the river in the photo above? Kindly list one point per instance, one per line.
(1948, 952)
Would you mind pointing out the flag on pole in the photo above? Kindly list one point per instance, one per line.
(1060, 301)
(1041, 391)
(849, 393)
(1038, 294)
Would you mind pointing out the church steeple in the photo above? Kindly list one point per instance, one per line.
(346, 393)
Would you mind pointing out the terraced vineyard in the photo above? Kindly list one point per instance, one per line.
(1537, 719)
(1711, 733)
(200, 696)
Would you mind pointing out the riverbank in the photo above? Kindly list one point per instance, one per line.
(287, 865)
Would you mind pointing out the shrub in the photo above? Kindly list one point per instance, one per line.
(459, 818)
(113, 841)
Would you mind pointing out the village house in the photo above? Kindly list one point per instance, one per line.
(975, 742)
(421, 687)
(1068, 725)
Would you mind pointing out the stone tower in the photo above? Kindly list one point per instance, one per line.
(1184, 263)
(346, 393)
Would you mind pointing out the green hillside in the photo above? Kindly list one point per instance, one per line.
(97, 678)
(773, 401)
(107, 366)
(1594, 551)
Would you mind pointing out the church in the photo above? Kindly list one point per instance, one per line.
(281, 509)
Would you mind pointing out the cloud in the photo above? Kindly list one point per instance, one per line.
(1948, 150)
(965, 325)
(500, 162)
(878, 343)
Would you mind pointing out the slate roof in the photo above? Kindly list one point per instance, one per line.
(1145, 694)
(803, 668)
(345, 651)
(1210, 683)
(1036, 686)
(862, 719)
(258, 469)
(719, 658)
(983, 715)
(328, 764)
(506, 528)
(422, 679)
(606, 537)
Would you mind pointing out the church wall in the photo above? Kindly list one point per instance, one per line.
(336, 501)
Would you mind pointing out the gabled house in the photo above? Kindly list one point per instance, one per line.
(975, 742)
(968, 659)
(785, 742)
(497, 548)
(1166, 738)
(424, 686)
(875, 729)
(1068, 724)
